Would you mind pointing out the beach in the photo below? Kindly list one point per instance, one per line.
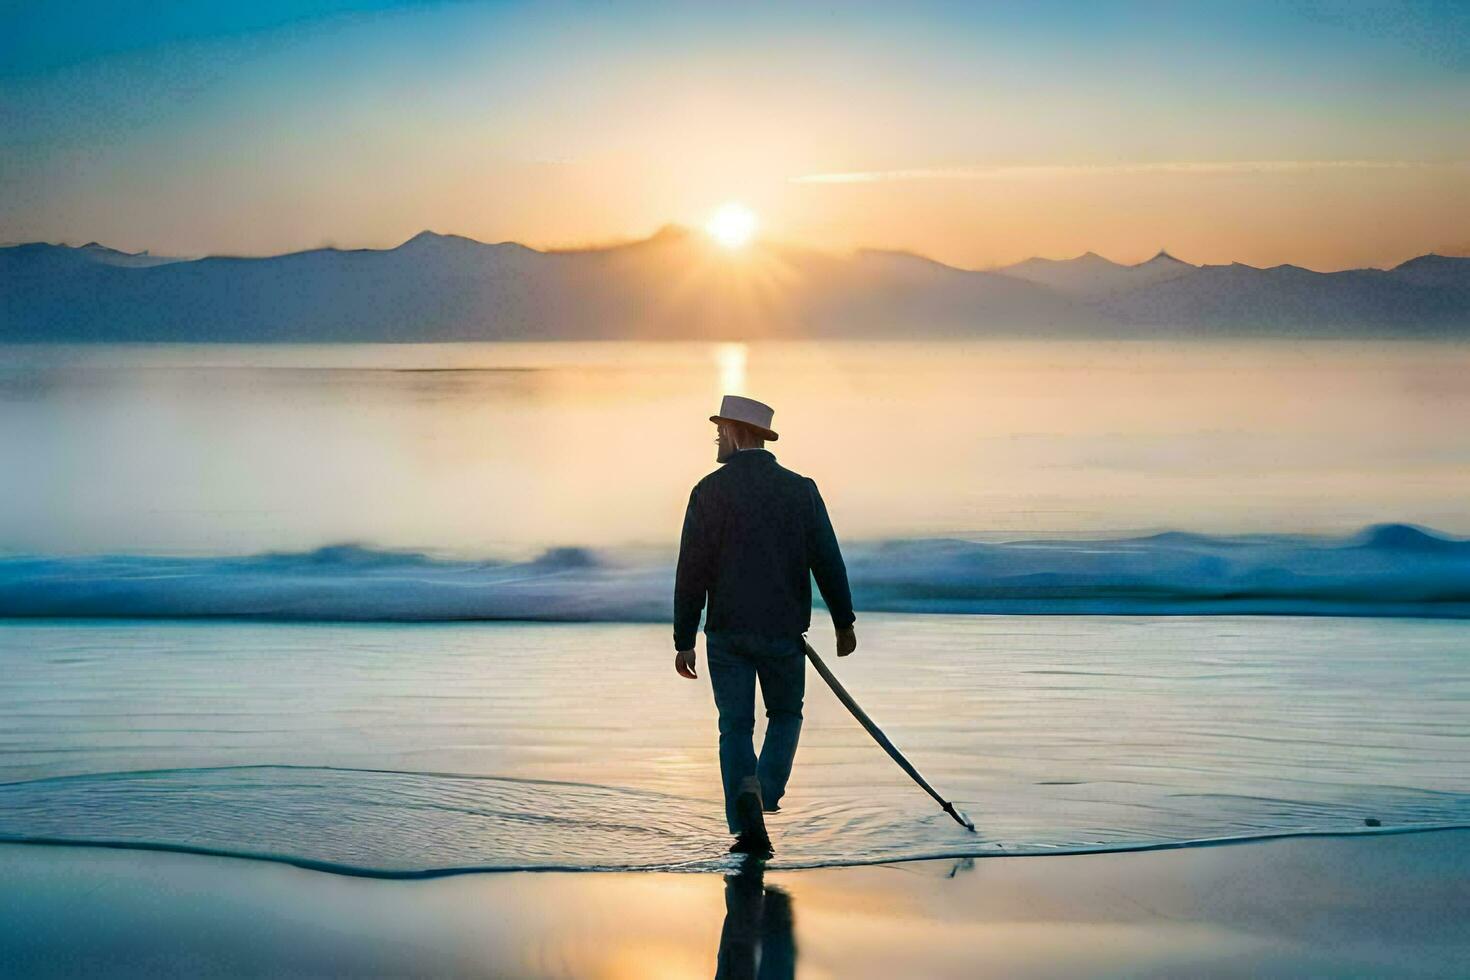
(1368, 905)
(644, 490)
(1154, 796)
(392, 748)
(339, 662)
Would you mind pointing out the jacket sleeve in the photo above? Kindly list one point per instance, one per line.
(825, 559)
(692, 574)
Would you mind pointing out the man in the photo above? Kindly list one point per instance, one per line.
(754, 535)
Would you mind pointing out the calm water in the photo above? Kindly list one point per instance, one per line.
(505, 449)
(504, 745)
(402, 748)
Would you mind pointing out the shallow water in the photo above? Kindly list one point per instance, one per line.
(151, 481)
(504, 745)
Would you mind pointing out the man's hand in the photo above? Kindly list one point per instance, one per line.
(846, 641)
(684, 664)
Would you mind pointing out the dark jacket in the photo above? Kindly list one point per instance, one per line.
(754, 534)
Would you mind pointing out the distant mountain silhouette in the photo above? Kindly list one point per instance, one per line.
(678, 285)
(62, 258)
(1288, 300)
(1094, 277)
(1425, 296)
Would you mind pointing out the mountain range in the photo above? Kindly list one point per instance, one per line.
(680, 285)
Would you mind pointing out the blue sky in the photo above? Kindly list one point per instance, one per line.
(1325, 134)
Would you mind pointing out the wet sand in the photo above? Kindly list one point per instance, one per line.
(1379, 905)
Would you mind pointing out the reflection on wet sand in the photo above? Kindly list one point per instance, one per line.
(758, 939)
(1349, 906)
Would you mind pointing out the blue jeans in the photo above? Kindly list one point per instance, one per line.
(735, 661)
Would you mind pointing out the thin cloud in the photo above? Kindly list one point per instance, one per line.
(1043, 171)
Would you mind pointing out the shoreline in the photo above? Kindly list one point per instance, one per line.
(703, 866)
(1371, 903)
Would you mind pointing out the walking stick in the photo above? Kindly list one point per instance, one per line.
(881, 739)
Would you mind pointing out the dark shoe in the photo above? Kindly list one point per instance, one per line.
(753, 838)
(757, 847)
(772, 808)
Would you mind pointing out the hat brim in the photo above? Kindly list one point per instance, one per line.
(768, 434)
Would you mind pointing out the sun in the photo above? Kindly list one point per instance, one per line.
(733, 225)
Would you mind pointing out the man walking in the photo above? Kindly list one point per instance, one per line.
(754, 535)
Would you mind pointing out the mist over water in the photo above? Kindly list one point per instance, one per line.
(503, 450)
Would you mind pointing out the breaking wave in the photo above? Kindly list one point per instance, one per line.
(1385, 570)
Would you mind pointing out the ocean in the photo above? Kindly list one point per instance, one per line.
(403, 610)
(410, 749)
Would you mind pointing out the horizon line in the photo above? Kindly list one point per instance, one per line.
(675, 227)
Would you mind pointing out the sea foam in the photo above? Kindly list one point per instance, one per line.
(1384, 570)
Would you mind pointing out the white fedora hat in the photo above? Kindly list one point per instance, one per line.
(757, 415)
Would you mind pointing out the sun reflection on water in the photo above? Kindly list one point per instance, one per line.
(731, 360)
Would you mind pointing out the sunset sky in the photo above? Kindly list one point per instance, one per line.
(1328, 135)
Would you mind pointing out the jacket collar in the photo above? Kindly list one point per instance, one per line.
(750, 454)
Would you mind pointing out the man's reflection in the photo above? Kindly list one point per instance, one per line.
(757, 941)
